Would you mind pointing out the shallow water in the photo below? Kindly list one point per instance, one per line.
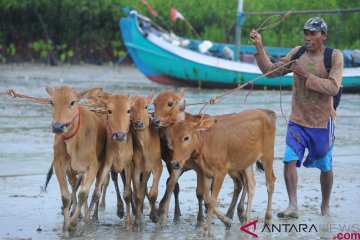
(26, 149)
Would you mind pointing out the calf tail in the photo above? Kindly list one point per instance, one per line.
(48, 176)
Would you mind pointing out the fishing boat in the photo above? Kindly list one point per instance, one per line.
(168, 59)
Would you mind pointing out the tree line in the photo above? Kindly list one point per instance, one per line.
(67, 31)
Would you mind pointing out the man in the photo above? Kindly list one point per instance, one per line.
(311, 120)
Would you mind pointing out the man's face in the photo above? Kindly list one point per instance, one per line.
(314, 40)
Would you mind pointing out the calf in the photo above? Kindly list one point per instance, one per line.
(119, 149)
(167, 112)
(147, 156)
(232, 144)
(79, 144)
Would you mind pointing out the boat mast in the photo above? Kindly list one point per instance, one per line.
(240, 17)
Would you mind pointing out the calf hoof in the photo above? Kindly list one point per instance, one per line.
(102, 206)
(240, 213)
(71, 226)
(138, 221)
(65, 234)
(153, 217)
(120, 212)
(206, 230)
(176, 219)
(228, 225)
(128, 225)
(162, 221)
(268, 219)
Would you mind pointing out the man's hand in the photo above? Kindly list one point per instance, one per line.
(256, 38)
(298, 69)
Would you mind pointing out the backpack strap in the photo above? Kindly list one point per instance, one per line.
(327, 58)
(299, 52)
(327, 62)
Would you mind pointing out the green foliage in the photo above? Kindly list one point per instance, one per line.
(82, 30)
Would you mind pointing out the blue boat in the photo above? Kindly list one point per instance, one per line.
(168, 59)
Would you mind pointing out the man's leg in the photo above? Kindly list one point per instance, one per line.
(291, 179)
(326, 181)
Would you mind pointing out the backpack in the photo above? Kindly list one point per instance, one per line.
(327, 62)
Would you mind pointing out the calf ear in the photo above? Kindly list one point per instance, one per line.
(100, 102)
(92, 92)
(171, 90)
(181, 93)
(205, 124)
(50, 90)
(149, 97)
(133, 98)
(182, 106)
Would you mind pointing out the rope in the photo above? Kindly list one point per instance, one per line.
(222, 97)
(14, 94)
(270, 26)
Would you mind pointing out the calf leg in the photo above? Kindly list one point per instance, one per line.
(127, 195)
(163, 201)
(60, 171)
(216, 186)
(83, 195)
(103, 173)
(270, 184)
(74, 183)
(132, 201)
(235, 197)
(240, 207)
(61, 165)
(103, 195)
(120, 203)
(137, 194)
(251, 188)
(172, 181)
(200, 196)
(154, 192)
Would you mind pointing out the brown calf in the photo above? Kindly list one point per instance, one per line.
(167, 112)
(119, 149)
(232, 144)
(147, 156)
(97, 104)
(84, 136)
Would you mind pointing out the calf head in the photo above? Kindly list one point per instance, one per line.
(186, 140)
(118, 116)
(167, 108)
(65, 103)
(139, 113)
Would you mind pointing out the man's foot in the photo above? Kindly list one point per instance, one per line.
(288, 213)
(325, 211)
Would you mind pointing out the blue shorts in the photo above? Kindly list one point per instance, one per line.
(318, 141)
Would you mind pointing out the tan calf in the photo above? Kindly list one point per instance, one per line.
(147, 156)
(230, 144)
(98, 104)
(167, 112)
(119, 149)
(84, 135)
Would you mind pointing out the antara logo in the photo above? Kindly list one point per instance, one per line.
(285, 227)
(245, 228)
